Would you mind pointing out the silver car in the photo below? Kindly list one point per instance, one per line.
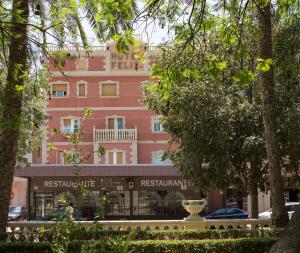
(290, 206)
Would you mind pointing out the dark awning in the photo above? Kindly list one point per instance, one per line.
(97, 170)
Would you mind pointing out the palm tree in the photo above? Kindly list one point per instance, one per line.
(56, 19)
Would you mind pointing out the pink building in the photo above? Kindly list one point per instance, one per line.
(140, 183)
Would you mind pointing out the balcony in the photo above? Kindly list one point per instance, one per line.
(114, 134)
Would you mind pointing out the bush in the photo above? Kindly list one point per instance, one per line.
(176, 234)
(240, 245)
(24, 247)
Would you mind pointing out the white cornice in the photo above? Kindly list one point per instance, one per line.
(137, 108)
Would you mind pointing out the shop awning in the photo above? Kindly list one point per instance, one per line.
(97, 170)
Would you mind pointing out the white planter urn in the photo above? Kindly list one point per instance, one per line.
(194, 207)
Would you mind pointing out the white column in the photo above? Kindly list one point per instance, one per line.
(96, 155)
(134, 152)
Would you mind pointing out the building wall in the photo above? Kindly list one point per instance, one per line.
(101, 66)
(19, 192)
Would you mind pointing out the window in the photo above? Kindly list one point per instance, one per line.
(81, 90)
(157, 127)
(109, 90)
(82, 63)
(69, 157)
(115, 157)
(59, 90)
(70, 125)
(144, 87)
(115, 123)
(157, 159)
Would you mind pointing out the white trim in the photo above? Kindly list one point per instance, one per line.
(115, 117)
(138, 108)
(85, 88)
(65, 143)
(100, 73)
(68, 117)
(109, 81)
(152, 142)
(60, 82)
(115, 150)
(144, 84)
(153, 118)
(158, 152)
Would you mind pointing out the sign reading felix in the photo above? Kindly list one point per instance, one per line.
(125, 62)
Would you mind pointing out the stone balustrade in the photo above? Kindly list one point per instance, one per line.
(114, 134)
(29, 229)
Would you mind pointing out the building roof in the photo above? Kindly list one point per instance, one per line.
(97, 170)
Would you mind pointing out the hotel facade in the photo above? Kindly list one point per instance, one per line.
(140, 184)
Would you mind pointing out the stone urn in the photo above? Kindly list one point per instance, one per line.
(194, 207)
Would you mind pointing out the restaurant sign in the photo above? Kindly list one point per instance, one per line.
(57, 184)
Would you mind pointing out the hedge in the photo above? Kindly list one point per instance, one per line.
(177, 234)
(240, 245)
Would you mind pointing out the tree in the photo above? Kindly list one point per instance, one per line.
(215, 128)
(198, 18)
(19, 30)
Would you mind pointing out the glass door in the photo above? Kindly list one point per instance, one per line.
(44, 204)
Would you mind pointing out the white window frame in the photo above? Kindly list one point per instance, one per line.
(86, 89)
(115, 117)
(161, 162)
(109, 81)
(62, 126)
(115, 156)
(144, 84)
(153, 120)
(60, 82)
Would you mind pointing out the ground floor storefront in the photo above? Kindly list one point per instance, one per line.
(133, 192)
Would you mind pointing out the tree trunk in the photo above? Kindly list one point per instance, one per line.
(12, 103)
(279, 214)
(289, 241)
(254, 201)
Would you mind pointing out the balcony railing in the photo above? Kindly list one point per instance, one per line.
(114, 134)
(74, 48)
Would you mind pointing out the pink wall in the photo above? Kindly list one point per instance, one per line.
(130, 95)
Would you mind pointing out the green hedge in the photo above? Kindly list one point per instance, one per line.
(25, 247)
(241, 245)
(178, 234)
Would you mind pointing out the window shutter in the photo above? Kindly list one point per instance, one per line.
(119, 157)
(67, 122)
(59, 87)
(111, 157)
(110, 123)
(109, 89)
(81, 89)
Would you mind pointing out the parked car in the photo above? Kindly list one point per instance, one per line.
(17, 213)
(59, 214)
(227, 213)
(290, 206)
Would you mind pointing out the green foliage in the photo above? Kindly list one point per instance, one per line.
(264, 64)
(241, 245)
(80, 234)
